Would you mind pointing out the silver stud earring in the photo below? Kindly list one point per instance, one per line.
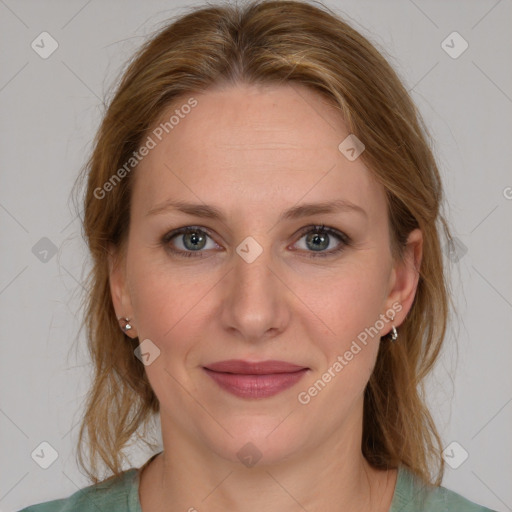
(394, 334)
(125, 324)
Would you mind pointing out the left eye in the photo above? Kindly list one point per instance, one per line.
(319, 238)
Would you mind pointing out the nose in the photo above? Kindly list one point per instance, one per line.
(256, 300)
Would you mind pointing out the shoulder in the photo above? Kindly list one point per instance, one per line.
(116, 494)
(412, 495)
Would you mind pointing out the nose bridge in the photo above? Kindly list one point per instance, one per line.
(255, 304)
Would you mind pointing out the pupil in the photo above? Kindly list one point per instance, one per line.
(319, 241)
(195, 240)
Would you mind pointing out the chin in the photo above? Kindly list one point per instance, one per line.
(259, 441)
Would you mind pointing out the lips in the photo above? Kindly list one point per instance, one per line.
(260, 379)
(257, 368)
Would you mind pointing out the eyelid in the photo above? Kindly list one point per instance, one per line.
(344, 239)
(326, 229)
(166, 239)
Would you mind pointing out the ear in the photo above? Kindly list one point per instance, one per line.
(119, 287)
(405, 276)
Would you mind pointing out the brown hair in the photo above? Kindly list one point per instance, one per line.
(272, 42)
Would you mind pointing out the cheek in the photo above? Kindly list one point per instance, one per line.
(162, 305)
(349, 340)
(166, 313)
(346, 301)
(170, 302)
(349, 305)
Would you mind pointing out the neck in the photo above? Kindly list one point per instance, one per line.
(332, 477)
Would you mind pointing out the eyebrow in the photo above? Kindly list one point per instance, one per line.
(296, 212)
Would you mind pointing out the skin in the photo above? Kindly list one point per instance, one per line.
(253, 152)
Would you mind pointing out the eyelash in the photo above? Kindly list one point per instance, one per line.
(345, 240)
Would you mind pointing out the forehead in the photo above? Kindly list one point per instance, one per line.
(247, 144)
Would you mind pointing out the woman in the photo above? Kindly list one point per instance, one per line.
(263, 212)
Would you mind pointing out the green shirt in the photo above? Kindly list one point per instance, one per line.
(121, 494)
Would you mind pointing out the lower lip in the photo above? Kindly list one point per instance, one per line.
(255, 386)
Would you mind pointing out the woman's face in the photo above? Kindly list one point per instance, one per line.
(251, 280)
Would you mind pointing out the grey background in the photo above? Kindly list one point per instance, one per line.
(50, 109)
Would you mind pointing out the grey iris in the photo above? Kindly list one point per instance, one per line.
(319, 241)
(197, 241)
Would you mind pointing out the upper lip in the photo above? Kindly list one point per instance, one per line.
(240, 366)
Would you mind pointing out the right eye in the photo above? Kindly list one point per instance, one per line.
(188, 241)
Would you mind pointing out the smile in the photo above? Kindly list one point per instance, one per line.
(255, 380)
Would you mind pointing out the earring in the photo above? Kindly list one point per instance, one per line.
(394, 334)
(125, 326)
